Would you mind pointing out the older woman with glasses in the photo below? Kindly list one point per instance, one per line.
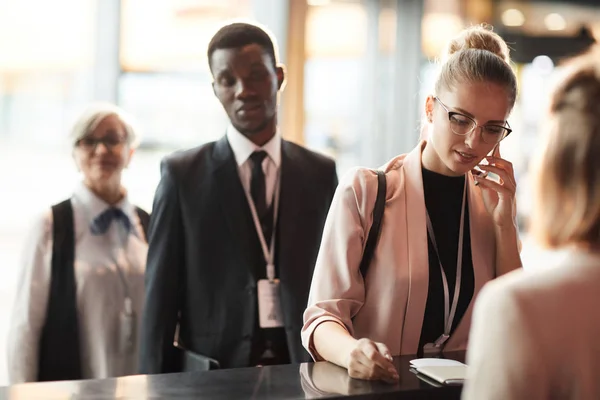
(81, 285)
(406, 250)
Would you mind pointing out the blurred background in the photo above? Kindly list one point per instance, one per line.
(358, 74)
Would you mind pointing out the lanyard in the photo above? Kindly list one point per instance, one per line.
(122, 245)
(450, 310)
(268, 252)
(128, 303)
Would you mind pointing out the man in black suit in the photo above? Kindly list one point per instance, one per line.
(217, 212)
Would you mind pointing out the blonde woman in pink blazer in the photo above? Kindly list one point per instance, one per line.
(535, 332)
(401, 305)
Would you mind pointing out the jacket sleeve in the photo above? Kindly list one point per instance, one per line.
(166, 258)
(30, 304)
(337, 291)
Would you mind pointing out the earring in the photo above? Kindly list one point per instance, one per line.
(429, 117)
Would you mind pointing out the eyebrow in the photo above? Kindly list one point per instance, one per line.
(227, 69)
(257, 65)
(219, 73)
(468, 114)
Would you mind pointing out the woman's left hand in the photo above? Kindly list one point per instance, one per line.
(499, 198)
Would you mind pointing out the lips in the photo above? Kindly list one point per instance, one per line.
(105, 164)
(248, 109)
(465, 157)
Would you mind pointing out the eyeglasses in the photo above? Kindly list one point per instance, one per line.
(463, 125)
(91, 143)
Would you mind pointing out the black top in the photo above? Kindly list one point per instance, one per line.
(443, 199)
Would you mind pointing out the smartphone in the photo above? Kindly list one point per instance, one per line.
(485, 174)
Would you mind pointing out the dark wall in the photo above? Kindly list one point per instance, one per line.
(525, 48)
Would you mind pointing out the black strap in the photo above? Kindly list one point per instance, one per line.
(144, 220)
(59, 357)
(376, 226)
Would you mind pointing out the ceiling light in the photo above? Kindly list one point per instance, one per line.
(513, 17)
(555, 22)
(543, 64)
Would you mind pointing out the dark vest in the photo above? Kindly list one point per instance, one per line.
(59, 351)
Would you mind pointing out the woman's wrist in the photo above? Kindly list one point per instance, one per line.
(334, 343)
(506, 227)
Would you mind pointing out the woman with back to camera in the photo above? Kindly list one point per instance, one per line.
(81, 284)
(535, 332)
(417, 294)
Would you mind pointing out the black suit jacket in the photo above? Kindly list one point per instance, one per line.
(205, 257)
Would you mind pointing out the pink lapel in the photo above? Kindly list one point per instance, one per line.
(418, 260)
(482, 249)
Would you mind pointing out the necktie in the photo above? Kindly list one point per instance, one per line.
(258, 189)
(102, 222)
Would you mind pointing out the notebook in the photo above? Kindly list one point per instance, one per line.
(441, 371)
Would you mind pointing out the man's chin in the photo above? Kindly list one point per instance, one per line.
(250, 128)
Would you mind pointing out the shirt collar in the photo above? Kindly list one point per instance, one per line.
(243, 147)
(95, 206)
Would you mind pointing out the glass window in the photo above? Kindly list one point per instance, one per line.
(172, 35)
(166, 81)
(45, 65)
(46, 75)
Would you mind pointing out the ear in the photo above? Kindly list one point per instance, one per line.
(213, 88)
(429, 105)
(280, 72)
(75, 159)
(131, 153)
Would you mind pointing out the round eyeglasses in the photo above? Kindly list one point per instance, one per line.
(463, 125)
(90, 143)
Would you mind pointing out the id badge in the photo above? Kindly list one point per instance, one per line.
(269, 305)
(432, 350)
(127, 332)
(436, 347)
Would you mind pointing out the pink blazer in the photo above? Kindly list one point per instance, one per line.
(389, 304)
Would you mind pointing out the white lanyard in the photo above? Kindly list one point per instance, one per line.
(450, 311)
(128, 303)
(122, 245)
(268, 252)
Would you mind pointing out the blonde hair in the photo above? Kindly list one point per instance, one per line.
(477, 55)
(566, 171)
(94, 114)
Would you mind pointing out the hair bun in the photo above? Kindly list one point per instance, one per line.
(479, 37)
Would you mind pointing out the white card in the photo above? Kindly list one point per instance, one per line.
(434, 362)
(269, 305)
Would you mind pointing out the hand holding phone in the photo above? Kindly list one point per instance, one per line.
(480, 173)
(498, 186)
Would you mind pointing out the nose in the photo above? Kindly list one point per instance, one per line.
(243, 89)
(101, 148)
(473, 138)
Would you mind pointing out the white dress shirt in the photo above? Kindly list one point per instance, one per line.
(100, 290)
(243, 148)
